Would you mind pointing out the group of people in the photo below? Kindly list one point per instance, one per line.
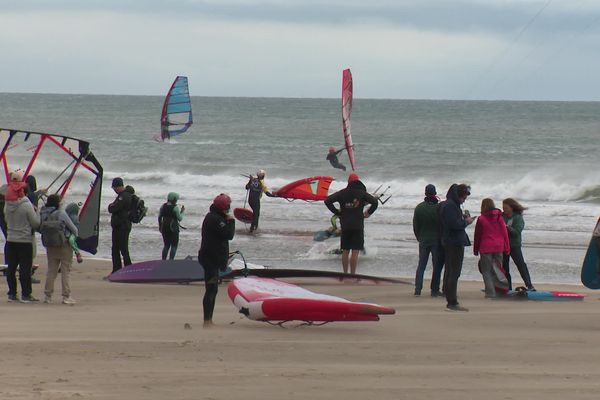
(21, 219)
(440, 229)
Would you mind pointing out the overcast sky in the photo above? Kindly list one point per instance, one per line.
(420, 49)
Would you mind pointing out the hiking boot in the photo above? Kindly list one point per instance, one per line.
(417, 292)
(437, 294)
(29, 299)
(456, 307)
(48, 300)
(79, 258)
(68, 300)
(12, 298)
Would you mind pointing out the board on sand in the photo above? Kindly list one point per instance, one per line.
(265, 299)
(243, 215)
(161, 271)
(590, 270)
(541, 295)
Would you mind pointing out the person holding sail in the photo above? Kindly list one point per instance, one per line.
(256, 187)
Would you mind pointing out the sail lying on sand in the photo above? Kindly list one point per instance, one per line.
(176, 117)
(65, 166)
(346, 111)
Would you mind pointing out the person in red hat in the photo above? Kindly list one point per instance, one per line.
(352, 201)
(218, 229)
(333, 159)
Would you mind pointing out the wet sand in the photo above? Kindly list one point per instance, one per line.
(129, 342)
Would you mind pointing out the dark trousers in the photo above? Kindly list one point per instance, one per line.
(441, 261)
(255, 206)
(517, 256)
(454, 260)
(19, 255)
(424, 251)
(171, 241)
(211, 285)
(120, 246)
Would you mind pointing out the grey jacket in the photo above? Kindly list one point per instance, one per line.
(70, 227)
(21, 220)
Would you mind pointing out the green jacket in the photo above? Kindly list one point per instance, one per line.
(515, 226)
(426, 223)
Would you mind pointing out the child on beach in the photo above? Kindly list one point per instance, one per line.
(72, 211)
(491, 241)
(16, 187)
(513, 216)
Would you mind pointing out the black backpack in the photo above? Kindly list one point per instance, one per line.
(138, 210)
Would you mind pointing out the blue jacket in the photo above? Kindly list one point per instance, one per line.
(452, 221)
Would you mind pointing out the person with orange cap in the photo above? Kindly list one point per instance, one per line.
(333, 159)
(352, 201)
(218, 229)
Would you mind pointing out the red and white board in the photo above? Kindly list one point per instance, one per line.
(265, 299)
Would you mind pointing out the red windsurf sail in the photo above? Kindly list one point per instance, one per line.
(315, 188)
(346, 111)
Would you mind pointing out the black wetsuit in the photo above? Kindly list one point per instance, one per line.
(352, 201)
(255, 189)
(169, 228)
(121, 227)
(217, 231)
(333, 160)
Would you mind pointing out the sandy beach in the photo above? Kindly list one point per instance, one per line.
(129, 342)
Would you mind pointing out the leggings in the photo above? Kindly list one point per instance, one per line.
(517, 256)
(211, 283)
(171, 241)
(255, 206)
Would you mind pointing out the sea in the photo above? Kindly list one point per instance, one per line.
(544, 154)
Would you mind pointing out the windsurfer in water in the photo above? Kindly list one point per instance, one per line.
(333, 159)
(256, 187)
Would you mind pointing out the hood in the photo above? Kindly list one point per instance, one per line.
(11, 206)
(493, 214)
(31, 183)
(357, 185)
(172, 197)
(72, 209)
(45, 211)
(452, 194)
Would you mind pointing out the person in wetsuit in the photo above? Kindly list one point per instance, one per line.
(333, 159)
(218, 229)
(120, 224)
(352, 201)
(256, 187)
(169, 217)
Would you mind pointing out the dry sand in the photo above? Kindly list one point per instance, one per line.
(128, 342)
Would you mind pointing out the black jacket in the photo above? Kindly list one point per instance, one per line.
(352, 200)
(217, 231)
(452, 221)
(119, 210)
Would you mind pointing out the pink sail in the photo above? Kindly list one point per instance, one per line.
(346, 111)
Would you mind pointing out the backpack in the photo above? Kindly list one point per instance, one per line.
(53, 231)
(138, 209)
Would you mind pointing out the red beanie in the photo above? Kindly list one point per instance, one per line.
(353, 177)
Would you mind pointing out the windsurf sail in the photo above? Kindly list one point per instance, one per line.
(346, 111)
(176, 117)
(65, 166)
(315, 188)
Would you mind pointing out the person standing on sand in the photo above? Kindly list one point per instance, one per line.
(513, 216)
(352, 201)
(121, 224)
(169, 217)
(218, 229)
(490, 242)
(454, 240)
(426, 230)
(58, 251)
(21, 220)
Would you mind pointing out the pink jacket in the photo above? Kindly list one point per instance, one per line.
(491, 235)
